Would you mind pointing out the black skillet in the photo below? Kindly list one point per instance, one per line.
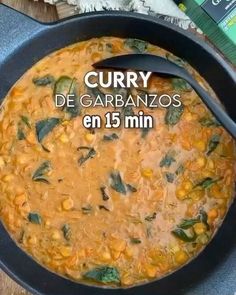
(24, 41)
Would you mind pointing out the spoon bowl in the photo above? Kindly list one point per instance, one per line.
(159, 65)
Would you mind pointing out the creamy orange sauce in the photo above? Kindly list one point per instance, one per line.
(72, 218)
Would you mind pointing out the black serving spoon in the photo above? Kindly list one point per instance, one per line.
(160, 65)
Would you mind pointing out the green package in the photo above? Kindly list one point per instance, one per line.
(217, 19)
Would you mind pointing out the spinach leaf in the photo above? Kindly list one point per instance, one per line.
(117, 183)
(39, 174)
(180, 234)
(152, 217)
(21, 130)
(95, 92)
(128, 111)
(102, 207)
(91, 153)
(188, 223)
(103, 274)
(87, 209)
(203, 217)
(180, 85)
(173, 115)
(109, 47)
(213, 144)
(105, 196)
(110, 137)
(119, 186)
(207, 182)
(66, 232)
(180, 62)
(45, 149)
(149, 232)
(44, 81)
(180, 170)
(167, 160)
(35, 218)
(26, 121)
(66, 85)
(124, 92)
(20, 133)
(131, 188)
(170, 177)
(44, 127)
(138, 46)
(145, 132)
(135, 241)
(209, 122)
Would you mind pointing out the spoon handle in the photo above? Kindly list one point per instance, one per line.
(214, 107)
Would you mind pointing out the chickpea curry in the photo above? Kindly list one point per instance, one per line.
(110, 207)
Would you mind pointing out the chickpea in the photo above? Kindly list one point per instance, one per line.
(68, 204)
(118, 245)
(187, 185)
(89, 137)
(81, 254)
(147, 173)
(20, 199)
(116, 255)
(181, 194)
(213, 214)
(65, 123)
(2, 162)
(200, 145)
(128, 252)
(56, 235)
(181, 257)
(47, 223)
(199, 228)
(106, 255)
(215, 192)
(203, 239)
(197, 195)
(31, 138)
(151, 270)
(201, 162)
(66, 251)
(211, 164)
(32, 240)
(8, 178)
(188, 116)
(127, 280)
(64, 138)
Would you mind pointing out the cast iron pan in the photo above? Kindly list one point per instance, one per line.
(23, 42)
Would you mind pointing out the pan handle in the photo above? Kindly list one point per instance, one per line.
(15, 28)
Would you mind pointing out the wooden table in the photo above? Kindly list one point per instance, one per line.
(38, 10)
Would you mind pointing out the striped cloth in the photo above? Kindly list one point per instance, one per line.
(165, 9)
